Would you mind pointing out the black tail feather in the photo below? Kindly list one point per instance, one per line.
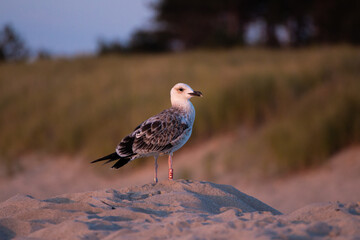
(113, 157)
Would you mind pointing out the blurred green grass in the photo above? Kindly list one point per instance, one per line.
(305, 102)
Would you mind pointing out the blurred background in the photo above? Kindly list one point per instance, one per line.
(280, 117)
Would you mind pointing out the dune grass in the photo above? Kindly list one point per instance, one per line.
(322, 123)
(306, 100)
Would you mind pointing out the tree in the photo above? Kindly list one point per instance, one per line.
(110, 47)
(202, 23)
(223, 23)
(12, 47)
(292, 14)
(337, 21)
(214, 23)
(150, 41)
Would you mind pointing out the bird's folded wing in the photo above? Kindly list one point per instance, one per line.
(159, 133)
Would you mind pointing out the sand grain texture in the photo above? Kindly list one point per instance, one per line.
(171, 209)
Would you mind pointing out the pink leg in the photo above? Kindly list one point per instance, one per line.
(156, 167)
(171, 171)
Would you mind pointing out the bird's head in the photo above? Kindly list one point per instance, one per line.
(181, 93)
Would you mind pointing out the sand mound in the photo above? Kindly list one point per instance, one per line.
(170, 209)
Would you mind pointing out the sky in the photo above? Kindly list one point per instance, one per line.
(70, 27)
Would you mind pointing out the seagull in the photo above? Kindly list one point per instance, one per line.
(161, 134)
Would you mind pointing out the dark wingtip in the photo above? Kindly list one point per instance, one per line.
(121, 162)
(97, 160)
(112, 157)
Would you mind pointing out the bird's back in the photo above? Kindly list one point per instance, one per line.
(161, 134)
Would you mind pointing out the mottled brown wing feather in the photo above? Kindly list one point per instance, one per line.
(158, 133)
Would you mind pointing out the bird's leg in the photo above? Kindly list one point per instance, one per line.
(156, 167)
(171, 171)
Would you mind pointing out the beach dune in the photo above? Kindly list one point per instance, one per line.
(178, 209)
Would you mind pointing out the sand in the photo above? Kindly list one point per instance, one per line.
(337, 180)
(177, 209)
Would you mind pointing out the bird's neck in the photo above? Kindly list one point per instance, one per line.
(184, 105)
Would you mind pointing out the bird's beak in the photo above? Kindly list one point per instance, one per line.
(196, 94)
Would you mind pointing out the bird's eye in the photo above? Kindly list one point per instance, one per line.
(181, 89)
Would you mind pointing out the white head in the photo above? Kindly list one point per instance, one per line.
(181, 93)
